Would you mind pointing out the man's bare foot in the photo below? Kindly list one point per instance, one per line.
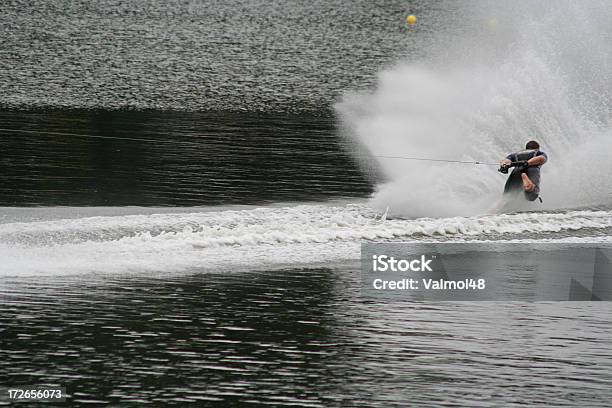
(528, 185)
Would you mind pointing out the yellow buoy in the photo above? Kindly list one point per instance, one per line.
(411, 20)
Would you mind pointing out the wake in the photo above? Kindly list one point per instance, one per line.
(251, 238)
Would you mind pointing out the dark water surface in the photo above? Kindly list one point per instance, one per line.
(188, 103)
(298, 337)
(169, 158)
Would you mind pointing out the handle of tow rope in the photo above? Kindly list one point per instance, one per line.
(504, 167)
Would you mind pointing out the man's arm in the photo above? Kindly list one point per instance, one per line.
(537, 161)
(506, 161)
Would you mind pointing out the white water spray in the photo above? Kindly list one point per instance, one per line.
(542, 71)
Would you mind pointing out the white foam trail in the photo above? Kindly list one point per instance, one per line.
(542, 71)
(243, 239)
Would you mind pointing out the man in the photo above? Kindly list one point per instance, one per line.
(526, 173)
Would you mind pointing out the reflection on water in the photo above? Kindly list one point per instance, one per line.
(296, 337)
(169, 158)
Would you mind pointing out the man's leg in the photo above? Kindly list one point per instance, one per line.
(528, 185)
(530, 180)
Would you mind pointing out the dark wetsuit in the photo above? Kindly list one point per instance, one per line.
(515, 182)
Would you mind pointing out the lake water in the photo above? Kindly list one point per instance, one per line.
(185, 185)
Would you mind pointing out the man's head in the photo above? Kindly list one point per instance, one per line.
(532, 145)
